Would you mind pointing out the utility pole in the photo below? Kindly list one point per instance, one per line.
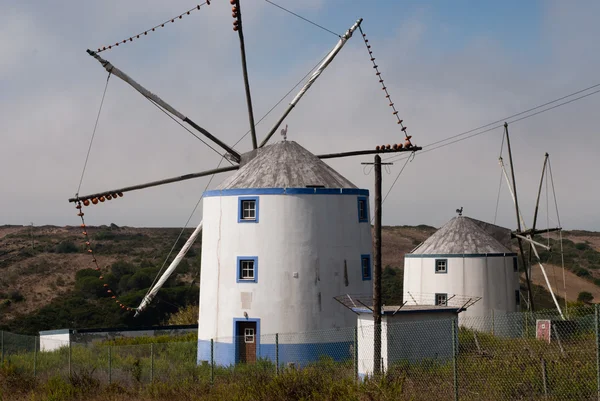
(377, 304)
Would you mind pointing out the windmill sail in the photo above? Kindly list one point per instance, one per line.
(313, 78)
(161, 281)
(154, 98)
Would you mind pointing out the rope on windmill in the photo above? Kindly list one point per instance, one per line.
(90, 250)
(153, 29)
(403, 128)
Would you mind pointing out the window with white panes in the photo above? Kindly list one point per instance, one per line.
(249, 210)
(441, 299)
(441, 265)
(246, 269)
(248, 335)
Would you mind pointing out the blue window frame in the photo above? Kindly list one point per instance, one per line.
(363, 209)
(365, 267)
(515, 265)
(441, 266)
(247, 269)
(248, 209)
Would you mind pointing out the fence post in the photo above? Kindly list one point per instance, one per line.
(454, 358)
(151, 362)
(1, 347)
(69, 358)
(545, 378)
(109, 365)
(597, 321)
(277, 353)
(34, 356)
(493, 323)
(212, 361)
(356, 353)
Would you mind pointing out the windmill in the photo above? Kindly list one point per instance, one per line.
(284, 210)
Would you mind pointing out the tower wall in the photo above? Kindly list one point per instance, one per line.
(303, 244)
(491, 277)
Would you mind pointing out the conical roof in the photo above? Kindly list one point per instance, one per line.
(284, 165)
(464, 235)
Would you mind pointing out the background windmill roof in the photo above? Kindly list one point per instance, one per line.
(284, 165)
(464, 235)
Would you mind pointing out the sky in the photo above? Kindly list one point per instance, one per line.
(449, 67)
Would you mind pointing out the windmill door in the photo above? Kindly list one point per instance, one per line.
(246, 342)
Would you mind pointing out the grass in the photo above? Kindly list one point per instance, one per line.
(488, 367)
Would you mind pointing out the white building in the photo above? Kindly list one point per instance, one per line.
(411, 333)
(465, 256)
(281, 237)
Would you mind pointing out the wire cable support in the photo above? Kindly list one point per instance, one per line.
(93, 135)
(304, 19)
(153, 29)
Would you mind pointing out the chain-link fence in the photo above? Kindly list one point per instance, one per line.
(500, 356)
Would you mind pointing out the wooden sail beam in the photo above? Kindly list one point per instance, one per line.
(532, 232)
(155, 183)
(513, 189)
(237, 26)
(313, 78)
(154, 98)
(367, 152)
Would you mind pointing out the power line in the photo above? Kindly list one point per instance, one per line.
(395, 158)
(302, 18)
(516, 115)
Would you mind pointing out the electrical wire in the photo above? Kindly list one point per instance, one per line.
(395, 158)
(520, 113)
(305, 19)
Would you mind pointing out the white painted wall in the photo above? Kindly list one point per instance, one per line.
(492, 278)
(310, 235)
(52, 342)
(410, 337)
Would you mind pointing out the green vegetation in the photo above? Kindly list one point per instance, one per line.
(84, 301)
(585, 296)
(88, 305)
(488, 367)
(391, 286)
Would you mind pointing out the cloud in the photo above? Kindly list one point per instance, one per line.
(50, 98)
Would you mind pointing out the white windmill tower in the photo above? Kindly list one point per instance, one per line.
(280, 237)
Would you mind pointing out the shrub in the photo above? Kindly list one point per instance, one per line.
(585, 296)
(581, 272)
(66, 247)
(16, 296)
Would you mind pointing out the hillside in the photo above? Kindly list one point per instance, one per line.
(46, 281)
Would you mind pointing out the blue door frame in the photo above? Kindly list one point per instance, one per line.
(236, 335)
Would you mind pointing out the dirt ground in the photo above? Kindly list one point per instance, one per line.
(574, 283)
